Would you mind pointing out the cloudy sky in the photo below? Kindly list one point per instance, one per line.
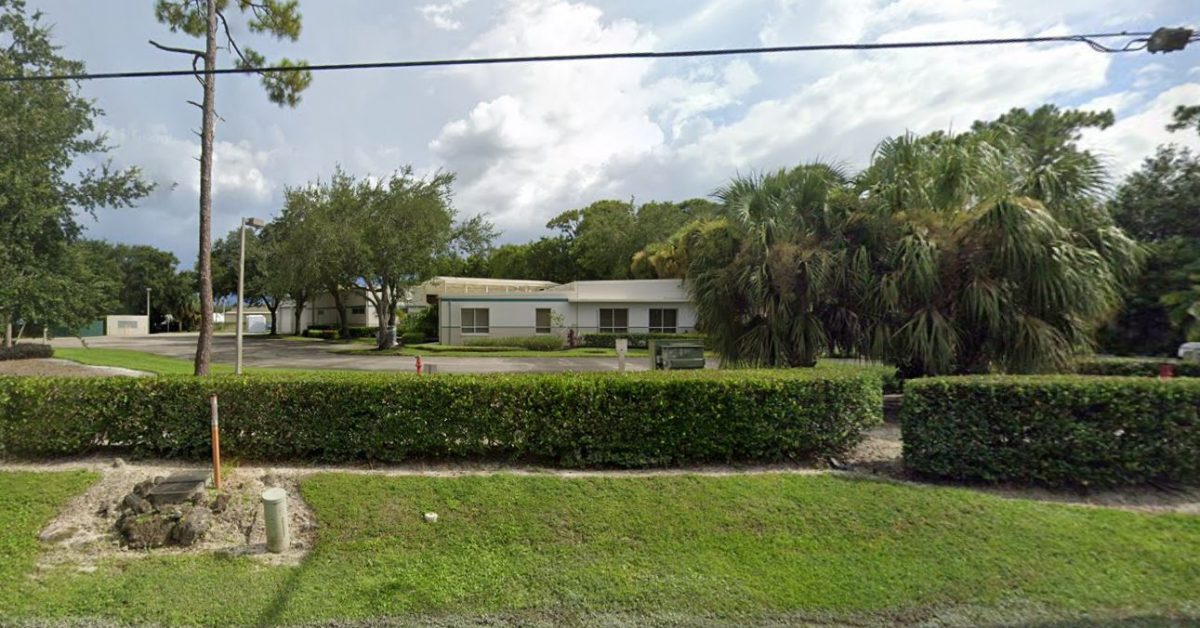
(528, 142)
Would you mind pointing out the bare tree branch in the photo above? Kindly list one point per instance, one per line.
(185, 51)
(229, 37)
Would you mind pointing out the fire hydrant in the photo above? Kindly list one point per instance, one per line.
(418, 365)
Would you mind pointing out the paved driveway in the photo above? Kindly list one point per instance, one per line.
(319, 355)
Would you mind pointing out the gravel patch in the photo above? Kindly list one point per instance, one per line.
(84, 534)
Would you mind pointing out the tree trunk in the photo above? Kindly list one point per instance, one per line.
(343, 319)
(7, 331)
(297, 313)
(272, 309)
(386, 337)
(204, 345)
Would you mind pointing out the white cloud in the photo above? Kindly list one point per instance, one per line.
(1150, 74)
(442, 15)
(546, 136)
(1134, 137)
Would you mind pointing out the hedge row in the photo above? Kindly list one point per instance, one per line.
(650, 419)
(26, 351)
(532, 343)
(638, 341)
(1057, 431)
(331, 332)
(1134, 367)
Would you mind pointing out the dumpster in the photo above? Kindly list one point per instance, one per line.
(676, 354)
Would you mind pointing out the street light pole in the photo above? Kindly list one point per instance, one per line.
(243, 223)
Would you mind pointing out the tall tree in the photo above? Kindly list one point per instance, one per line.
(406, 223)
(323, 233)
(1159, 204)
(210, 19)
(45, 126)
(986, 250)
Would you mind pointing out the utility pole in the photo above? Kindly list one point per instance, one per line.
(256, 223)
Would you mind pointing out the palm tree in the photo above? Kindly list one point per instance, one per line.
(998, 257)
(764, 274)
(986, 250)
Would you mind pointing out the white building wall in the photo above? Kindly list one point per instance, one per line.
(126, 325)
(506, 317)
(321, 310)
(587, 319)
(516, 317)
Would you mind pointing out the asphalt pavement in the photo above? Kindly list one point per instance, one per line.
(272, 352)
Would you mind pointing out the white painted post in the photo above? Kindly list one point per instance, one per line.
(622, 349)
(275, 516)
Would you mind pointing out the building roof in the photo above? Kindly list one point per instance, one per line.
(624, 291)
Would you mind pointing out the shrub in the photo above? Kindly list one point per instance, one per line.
(570, 419)
(636, 341)
(21, 351)
(1135, 367)
(1056, 431)
(412, 337)
(531, 343)
(332, 332)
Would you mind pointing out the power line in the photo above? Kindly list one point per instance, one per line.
(1138, 42)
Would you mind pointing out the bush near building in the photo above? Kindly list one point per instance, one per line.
(330, 332)
(636, 341)
(21, 351)
(532, 343)
(1135, 367)
(1056, 431)
(650, 419)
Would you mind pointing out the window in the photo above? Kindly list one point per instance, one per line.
(614, 321)
(542, 322)
(474, 320)
(360, 310)
(663, 321)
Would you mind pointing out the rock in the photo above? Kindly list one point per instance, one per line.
(142, 488)
(57, 533)
(118, 463)
(136, 504)
(220, 503)
(145, 531)
(431, 517)
(191, 527)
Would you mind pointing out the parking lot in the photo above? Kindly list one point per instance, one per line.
(278, 353)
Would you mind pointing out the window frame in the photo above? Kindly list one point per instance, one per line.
(538, 327)
(474, 329)
(612, 327)
(662, 327)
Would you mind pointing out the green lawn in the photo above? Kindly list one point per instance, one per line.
(679, 549)
(154, 363)
(497, 352)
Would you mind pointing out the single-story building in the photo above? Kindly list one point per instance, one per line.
(625, 306)
(470, 307)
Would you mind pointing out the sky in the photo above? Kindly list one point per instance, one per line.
(528, 142)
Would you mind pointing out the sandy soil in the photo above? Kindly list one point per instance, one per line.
(52, 367)
(83, 533)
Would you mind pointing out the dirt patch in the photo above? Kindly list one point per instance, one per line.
(84, 532)
(52, 367)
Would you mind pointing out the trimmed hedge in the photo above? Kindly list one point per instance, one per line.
(532, 343)
(1056, 431)
(603, 419)
(636, 341)
(25, 352)
(332, 332)
(1134, 367)
(412, 337)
